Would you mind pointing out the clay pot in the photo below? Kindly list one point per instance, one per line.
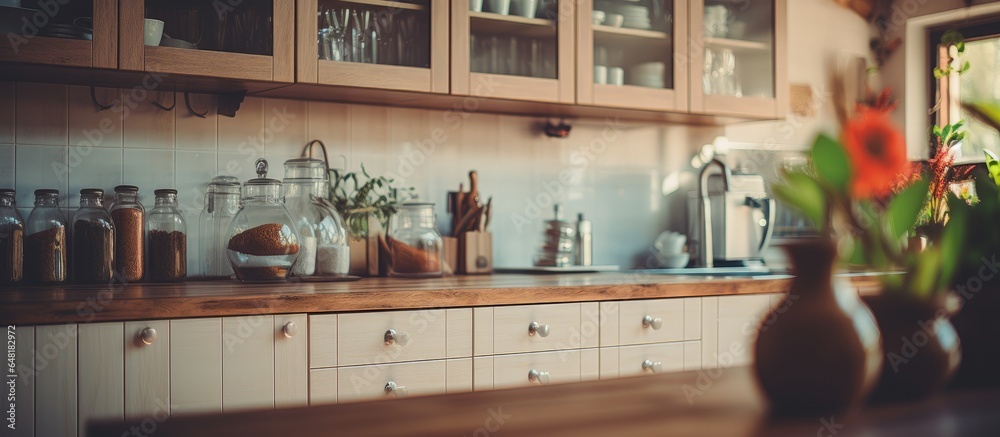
(922, 350)
(819, 350)
(978, 326)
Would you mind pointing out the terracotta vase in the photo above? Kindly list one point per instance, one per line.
(921, 347)
(819, 350)
(978, 326)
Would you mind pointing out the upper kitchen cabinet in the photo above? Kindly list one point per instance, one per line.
(738, 58)
(389, 45)
(628, 54)
(514, 49)
(249, 40)
(64, 33)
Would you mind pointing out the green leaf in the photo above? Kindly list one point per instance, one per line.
(936, 131)
(902, 212)
(803, 193)
(960, 46)
(993, 165)
(965, 67)
(939, 73)
(985, 112)
(831, 162)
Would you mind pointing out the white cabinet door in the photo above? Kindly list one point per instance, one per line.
(101, 373)
(55, 380)
(391, 380)
(391, 337)
(323, 386)
(653, 358)
(739, 318)
(537, 368)
(196, 365)
(558, 327)
(247, 362)
(291, 360)
(24, 384)
(147, 369)
(651, 321)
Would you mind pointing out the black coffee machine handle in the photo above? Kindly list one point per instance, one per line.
(767, 204)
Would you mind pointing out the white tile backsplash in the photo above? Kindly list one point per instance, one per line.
(615, 182)
(41, 114)
(90, 126)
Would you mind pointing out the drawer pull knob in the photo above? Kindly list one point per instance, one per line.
(652, 366)
(536, 377)
(391, 389)
(541, 330)
(148, 336)
(650, 322)
(289, 330)
(400, 338)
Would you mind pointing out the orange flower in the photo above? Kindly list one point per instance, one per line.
(877, 151)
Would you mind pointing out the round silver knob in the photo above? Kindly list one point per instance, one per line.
(652, 366)
(148, 336)
(541, 330)
(536, 377)
(400, 338)
(392, 389)
(650, 322)
(289, 330)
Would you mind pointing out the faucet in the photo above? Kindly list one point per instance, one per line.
(705, 247)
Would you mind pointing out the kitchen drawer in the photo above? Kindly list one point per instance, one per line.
(651, 321)
(650, 358)
(323, 386)
(392, 337)
(558, 328)
(385, 381)
(536, 368)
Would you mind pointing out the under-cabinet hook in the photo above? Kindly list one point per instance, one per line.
(187, 102)
(173, 105)
(101, 107)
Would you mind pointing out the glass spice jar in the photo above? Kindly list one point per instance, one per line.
(129, 218)
(415, 244)
(167, 239)
(45, 244)
(11, 239)
(262, 242)
(93, 248)
(222, 202)
(323, 248)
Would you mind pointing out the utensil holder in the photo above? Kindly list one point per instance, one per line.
(475, 253)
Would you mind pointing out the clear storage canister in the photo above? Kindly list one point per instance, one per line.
(415, 243)
(93, 247)
(129, 218)
(323, 248)
(222, 202)
(262, 242)
(11, 239)
(45, 244)
(167, 239)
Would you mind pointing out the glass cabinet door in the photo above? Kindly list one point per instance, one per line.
(514, 49)
(738, 58)
(247, 39)
(628, 51)
(72, 33)
(395, 45)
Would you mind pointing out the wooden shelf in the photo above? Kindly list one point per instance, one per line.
(648, 39)
(490, 23)
(387, 4)
(737, 45)
(634, 33)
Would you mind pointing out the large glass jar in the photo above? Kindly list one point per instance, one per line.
(129, 218)
(45, 243)
(415, 243)
(222, 202)
(323, 248)
(262, 242)
(11, 239)
(167, 239)
(93, 248)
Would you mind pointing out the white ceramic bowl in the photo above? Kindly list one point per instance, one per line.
(153, 32)
(676, 261)
(598, 17)
(615, 20)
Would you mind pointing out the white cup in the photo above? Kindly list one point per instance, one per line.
(501, 7)
(614, 20)
(600, 74)
(616, 76)
(152, 32)
(476, 5)
(598, 17)
(524, 8)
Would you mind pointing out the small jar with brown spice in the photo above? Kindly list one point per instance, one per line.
(45, 244)
(11, 239)
(93, 240)
(167, 239)
(129, 218)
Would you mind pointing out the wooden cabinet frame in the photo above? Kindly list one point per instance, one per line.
(312, 70)
(775, 107)
(279, 67)
(102, 52)
(465, 82)
(631, 97)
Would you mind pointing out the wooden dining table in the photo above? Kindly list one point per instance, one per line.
(711, 403)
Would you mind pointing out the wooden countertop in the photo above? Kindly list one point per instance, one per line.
(681, 404)
(37, 305)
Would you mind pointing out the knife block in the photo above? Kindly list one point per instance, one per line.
(475, 253)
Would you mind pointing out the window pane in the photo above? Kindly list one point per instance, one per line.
(980, 83)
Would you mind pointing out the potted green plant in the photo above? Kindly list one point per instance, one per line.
(367, 204)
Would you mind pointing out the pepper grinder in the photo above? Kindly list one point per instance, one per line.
(584, 241)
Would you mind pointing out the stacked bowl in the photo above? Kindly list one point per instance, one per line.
(636, 16)
(648, 74)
